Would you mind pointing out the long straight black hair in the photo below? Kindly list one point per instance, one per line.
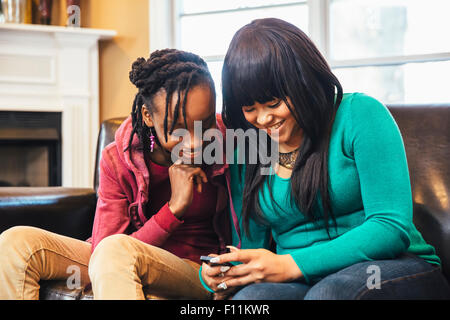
(272, 59)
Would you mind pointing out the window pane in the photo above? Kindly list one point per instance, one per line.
(197, 6)
(374, 28)
(412, 82)
(215, 68)
(210, 34)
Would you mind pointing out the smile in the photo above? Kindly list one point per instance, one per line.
(192, 153)
(276, 126)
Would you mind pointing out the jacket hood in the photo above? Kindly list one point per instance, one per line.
(134, 160)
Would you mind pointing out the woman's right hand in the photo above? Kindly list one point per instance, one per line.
(213, 276)
(183, 179)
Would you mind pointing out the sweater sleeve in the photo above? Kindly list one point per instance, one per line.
(382, 168)
(112, 216)
(160, 226)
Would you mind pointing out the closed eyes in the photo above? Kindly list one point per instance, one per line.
(271, 106)
(276, 105)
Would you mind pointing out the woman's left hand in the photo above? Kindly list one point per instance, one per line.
(258, 265)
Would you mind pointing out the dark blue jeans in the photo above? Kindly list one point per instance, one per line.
(407, 277)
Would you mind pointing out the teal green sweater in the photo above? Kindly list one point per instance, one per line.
(370, 195)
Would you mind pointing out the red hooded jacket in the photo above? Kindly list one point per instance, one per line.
(123, 195)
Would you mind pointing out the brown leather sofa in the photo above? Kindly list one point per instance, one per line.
(426, 133)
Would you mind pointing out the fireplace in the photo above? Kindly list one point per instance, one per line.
(49, 73)
(30, 149)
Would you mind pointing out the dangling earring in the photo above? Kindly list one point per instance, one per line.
(152, 140)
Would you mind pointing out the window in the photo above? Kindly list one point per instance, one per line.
(206, 27)
(395, 50)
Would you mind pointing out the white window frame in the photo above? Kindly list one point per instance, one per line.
(165, 32)
(165, 27)
(324, 35)
(162, 19)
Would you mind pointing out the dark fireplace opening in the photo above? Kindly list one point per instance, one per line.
(30, 149)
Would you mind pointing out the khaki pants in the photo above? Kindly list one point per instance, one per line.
(121, 267)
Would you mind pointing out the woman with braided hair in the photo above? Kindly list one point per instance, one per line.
(172, 213)
(154, 218)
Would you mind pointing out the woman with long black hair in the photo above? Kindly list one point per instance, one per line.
(339, 204)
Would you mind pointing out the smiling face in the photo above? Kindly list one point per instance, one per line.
(275, 116)
(200, 106)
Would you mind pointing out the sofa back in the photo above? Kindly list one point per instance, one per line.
(106, 136)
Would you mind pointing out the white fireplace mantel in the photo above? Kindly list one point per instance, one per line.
(56, 69)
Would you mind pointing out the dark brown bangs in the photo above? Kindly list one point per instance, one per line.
(251, 74)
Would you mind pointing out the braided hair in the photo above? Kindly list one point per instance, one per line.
(173, 71)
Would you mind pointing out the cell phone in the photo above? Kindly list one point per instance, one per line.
(207, 259)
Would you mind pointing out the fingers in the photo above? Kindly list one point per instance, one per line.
(240, 255)
(217, 271)
(201, 173)
(198, 182)
(234, 282)
(217, 284)
(232, 248)
(214, 276)
(195, 174)
(222, 279)
(225, 294)
(199, 176)
(226, 271)
(239, 270)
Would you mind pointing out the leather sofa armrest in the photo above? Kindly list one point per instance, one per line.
(432, 223)
(66, 211)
